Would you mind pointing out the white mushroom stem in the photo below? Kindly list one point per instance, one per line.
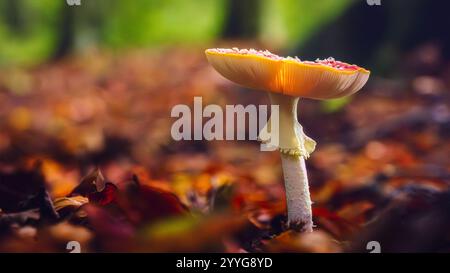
(298, 199)
(294, 147)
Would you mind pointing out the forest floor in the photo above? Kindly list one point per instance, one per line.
(86, 155)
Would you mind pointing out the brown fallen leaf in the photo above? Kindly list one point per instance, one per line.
(91, 183)
(317, 241)
(65, 206)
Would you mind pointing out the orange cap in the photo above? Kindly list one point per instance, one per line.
(322, 79)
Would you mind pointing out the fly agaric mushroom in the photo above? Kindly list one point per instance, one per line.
(286, 80)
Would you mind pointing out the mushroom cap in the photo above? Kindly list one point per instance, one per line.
(322, 79)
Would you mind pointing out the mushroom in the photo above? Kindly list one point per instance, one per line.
(286, 80)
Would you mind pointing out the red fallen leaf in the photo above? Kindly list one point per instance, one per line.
(332, 222)
(325, 213)
(159, 203)
(146, 203)
(108, 224)
(104, 197)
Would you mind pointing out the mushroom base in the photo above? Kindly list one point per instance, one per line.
(297, 193)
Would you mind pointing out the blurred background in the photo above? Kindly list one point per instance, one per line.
(86, 153)
(376, 35)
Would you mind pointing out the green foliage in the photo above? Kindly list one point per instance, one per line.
(146, 22)
(330, 106)
(30, 30)
(34, 41)
(171, 226)
(110, 23)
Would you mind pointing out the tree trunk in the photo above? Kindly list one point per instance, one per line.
(243, 19)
